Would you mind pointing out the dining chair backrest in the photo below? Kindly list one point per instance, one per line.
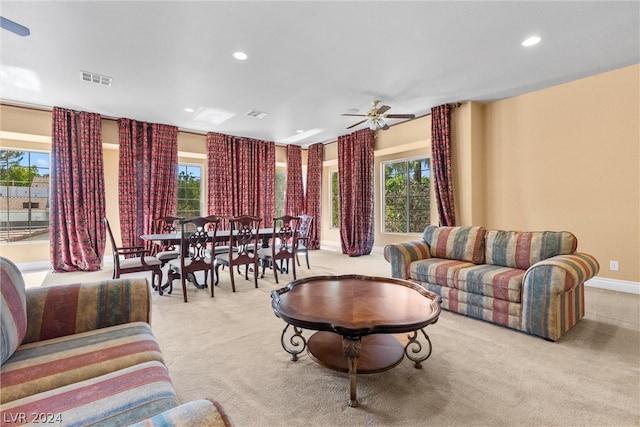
(285, 233)
(196, 235)
(167, 225)
(303, 237)
(243, 239)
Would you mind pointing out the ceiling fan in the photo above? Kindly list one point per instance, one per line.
(375, 117)
(14, 27)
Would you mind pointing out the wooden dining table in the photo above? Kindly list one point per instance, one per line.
(169, 239)
(221, 235)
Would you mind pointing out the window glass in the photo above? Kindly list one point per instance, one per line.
(335, 200)
(281, 190)
(189, 190)
(24, 196)
(406, 195)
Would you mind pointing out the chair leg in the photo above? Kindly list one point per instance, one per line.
(298, 260)
(306, 255)
(212, 281)
(293, 264)
(157, 274)
(233, 283)
(184, 286)
(217, 275)
(255, 272)
(275, 270)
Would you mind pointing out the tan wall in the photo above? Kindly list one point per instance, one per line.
(567, 158)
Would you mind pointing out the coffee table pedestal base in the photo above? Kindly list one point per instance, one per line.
(365, 355)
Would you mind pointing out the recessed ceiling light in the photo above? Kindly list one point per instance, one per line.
(299, 131)
(189, 110)
(240, 56)
(531, 41)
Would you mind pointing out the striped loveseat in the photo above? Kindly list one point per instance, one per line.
(529, 281)
(84, 354)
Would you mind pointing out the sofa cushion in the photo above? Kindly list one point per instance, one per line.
(45, 365)
(119, 398)
(461, 243)
(436, 270)
(13, 309)
(487, 308)
(523, 249)
(501, 283)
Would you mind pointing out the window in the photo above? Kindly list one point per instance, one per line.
(335, 200)
(189, 190)
(406, 195)
(281, 191)
(24, 195)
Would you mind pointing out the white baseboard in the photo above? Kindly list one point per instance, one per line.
(614, 285)
(26, 267)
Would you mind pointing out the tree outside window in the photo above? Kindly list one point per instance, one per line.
(406, 192)
(189, 191)
(335, 200)
(24, 195)
(281, 190)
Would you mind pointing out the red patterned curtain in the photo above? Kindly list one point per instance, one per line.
(441, 163)
(77, 191)
(313, 197)
(242, 176)
(356, 171)
(294, 203)
(148, 180)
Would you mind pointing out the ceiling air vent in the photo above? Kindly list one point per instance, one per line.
(96, 78)
(256, 114)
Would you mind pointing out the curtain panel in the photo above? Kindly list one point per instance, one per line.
(242, 176)
(77, 192)
(313, 198)
(147, 180)
(294, 203)
(441, 163)
(356, 172)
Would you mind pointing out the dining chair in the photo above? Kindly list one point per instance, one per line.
(243, 239)
(197, 235)
(283, 246)
(166, 250)
(134, 259)
(303, 237)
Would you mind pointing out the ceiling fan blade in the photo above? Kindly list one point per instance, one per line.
(385, 127)
(354, 125)
(14, 27)
(400, 116)
(356, 115)
(383, 109)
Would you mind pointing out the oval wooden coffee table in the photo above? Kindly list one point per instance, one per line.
(354, 316)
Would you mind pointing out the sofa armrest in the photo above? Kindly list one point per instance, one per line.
(400, 255)
(56, 311)
(197, 413)
(561, 273)
(553, 294)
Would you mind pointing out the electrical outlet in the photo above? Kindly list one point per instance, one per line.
(614, 265)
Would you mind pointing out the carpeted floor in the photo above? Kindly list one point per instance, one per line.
(228, 348)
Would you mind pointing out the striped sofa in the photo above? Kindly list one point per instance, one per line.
(84, 354)
(529, 281)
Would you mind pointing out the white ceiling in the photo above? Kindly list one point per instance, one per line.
(309, 61)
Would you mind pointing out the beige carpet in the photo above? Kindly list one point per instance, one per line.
(228, 348)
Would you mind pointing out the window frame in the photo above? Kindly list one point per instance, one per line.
(383, 201)
(31, 204)
(333, 173)
(202, 179)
